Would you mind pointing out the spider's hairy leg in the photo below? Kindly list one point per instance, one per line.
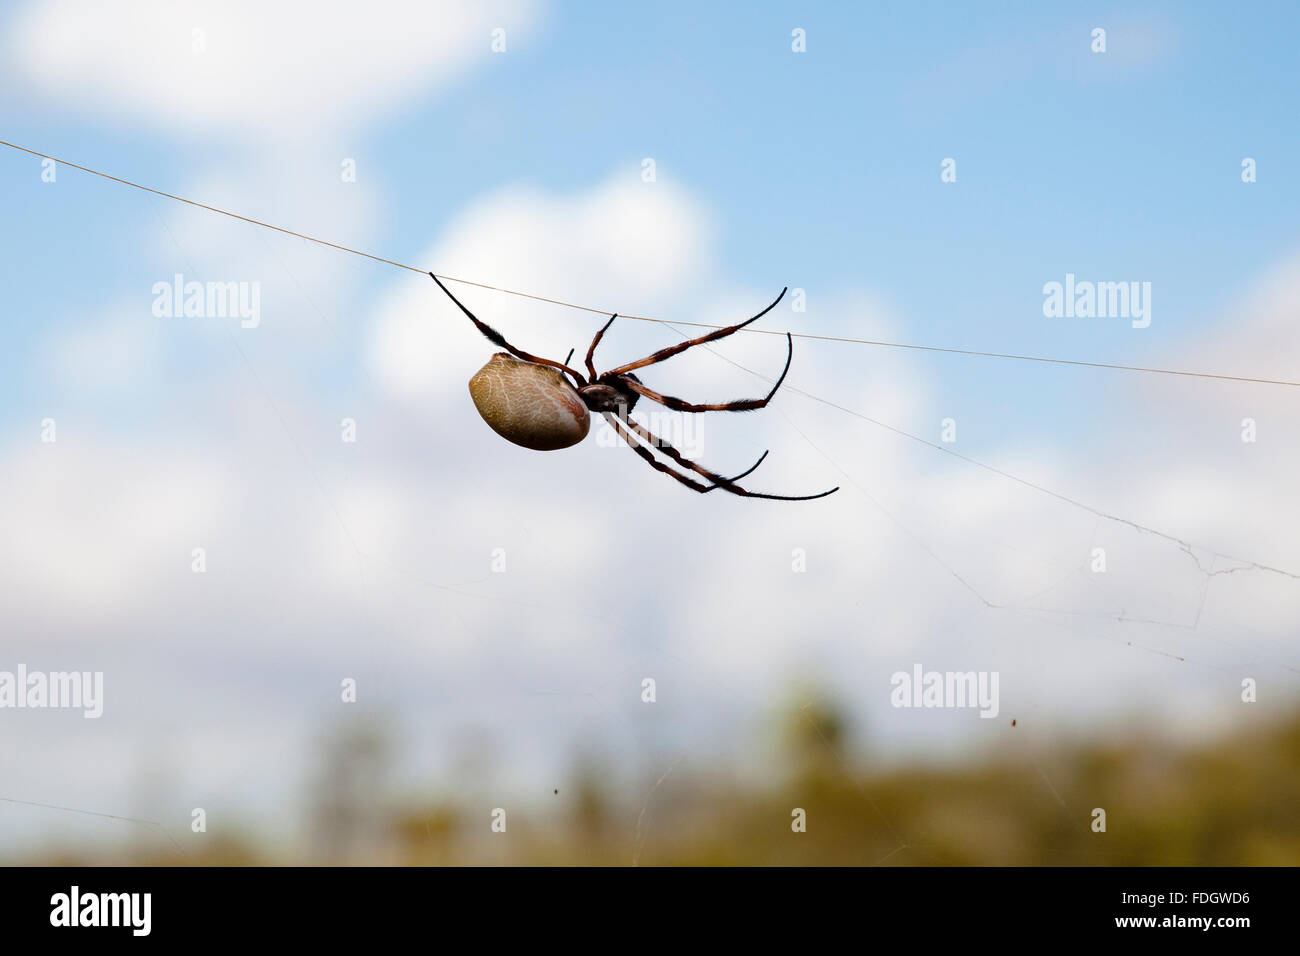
(667, 449)
(741, 405)
(496, 338)
(654, 462)
(726, 484)
(591, 366)
(680, 347)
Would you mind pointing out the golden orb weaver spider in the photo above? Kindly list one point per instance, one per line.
(528, 400)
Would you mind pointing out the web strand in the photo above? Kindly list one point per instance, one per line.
(645, 318)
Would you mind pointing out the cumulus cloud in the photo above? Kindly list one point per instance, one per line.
(374, 559)
(622, 241)
(282, 70)
(271, 90)
(299, 284)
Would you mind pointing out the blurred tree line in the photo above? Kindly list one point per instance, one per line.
(1231, 802)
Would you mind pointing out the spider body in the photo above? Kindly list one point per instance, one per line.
(529, 401)
(534, 405)
(611, 395)
(529, 404)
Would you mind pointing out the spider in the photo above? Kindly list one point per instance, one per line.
(527, 400)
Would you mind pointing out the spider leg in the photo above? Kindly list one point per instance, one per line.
(591, 367)
(726, 484)
(742, 405)
(654, 462)
(747, 471)
(669, 451)
(680, 347)
(496, 338)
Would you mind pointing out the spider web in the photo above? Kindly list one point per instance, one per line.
(1073, 601)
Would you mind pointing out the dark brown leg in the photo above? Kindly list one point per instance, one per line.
(726, 484)
(591, 366)
(496, 338)
(668, 450)
(743, 405)
(654, 462)
(680, 347)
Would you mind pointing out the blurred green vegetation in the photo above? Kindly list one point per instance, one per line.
(1234, 801)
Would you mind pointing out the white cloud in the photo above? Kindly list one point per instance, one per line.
(614, 571)
(284, 69)
(99, 523)
(299, 283)
(1257, 336)
(623, 241)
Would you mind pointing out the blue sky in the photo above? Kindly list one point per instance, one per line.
(821, 169)
(818, 170)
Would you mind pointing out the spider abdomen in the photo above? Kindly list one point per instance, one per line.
(529, 404)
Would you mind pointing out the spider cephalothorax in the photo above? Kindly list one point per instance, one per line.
(610, 396)
(529, 401)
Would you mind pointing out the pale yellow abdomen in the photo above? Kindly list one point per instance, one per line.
(529, 404)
